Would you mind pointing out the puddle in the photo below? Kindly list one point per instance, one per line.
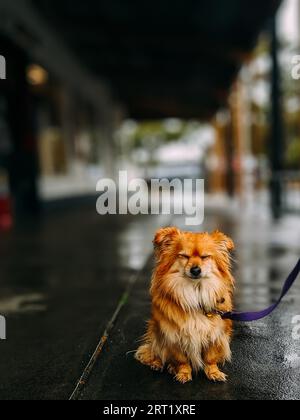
(24, 303)
(136, 241)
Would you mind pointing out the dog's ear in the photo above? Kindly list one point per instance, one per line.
(223, 240)
(165, 237)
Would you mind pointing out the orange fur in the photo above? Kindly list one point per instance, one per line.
(184, 333)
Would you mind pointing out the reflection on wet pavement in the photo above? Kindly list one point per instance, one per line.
(62, 278)
(135, 242)
(22, 303)
(266, 254)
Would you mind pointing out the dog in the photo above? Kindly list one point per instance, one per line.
(192, 285)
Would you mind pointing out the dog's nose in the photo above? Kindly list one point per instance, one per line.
(196, 271)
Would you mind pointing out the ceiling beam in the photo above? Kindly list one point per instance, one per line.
(24, 25)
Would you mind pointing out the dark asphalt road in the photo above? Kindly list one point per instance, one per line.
(62, 279)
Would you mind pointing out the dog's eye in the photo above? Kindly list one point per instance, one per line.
(184, 256)
(205, 257)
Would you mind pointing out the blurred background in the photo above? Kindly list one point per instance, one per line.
(93, 88)
(163, 90)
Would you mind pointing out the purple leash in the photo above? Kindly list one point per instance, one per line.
(255, 316)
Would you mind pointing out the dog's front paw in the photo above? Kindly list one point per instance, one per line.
(183, 377)
(183, 374)
(213, 373)
(156, 365)
(144, 355)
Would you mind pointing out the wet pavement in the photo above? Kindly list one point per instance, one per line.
(60, 281)
(263, 367)
(63, 278)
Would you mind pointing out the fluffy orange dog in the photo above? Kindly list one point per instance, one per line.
(191, 283)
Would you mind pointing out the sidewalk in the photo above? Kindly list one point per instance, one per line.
(262, 368)
(266, 359)
(60, 280)
(63, 279)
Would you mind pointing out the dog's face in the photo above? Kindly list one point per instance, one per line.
(195, 256)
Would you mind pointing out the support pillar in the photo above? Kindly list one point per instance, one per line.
(277, 128)
(22, 160)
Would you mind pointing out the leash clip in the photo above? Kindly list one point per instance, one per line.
(215, 312)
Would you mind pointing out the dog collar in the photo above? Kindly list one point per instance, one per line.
(213, 313)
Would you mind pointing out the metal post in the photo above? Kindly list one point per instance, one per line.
(22, 163)
(277, 130)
